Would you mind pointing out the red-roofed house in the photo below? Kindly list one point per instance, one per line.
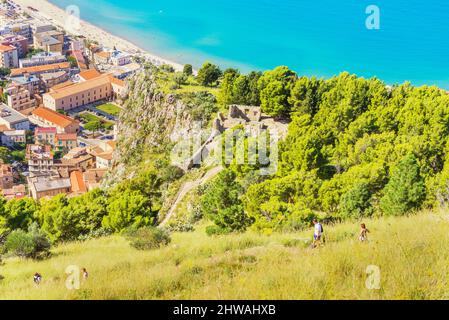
(89, 74)
(77, 182)
(45, 135)
(66, 141)
(48, 118)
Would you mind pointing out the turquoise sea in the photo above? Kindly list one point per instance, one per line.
(313, 37)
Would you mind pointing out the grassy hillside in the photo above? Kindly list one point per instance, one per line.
(412, 253)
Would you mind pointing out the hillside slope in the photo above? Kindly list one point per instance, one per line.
(411, 252)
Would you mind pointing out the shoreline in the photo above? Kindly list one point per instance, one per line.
(58, 17)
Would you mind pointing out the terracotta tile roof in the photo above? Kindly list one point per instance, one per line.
(118, 82)
(54, 117)
(4, 48)
(4, 128)
(40, 69)
(66, 136)
(80, 87)
(77, 181)
(112, 144)
(95, 150)
(94, 175)
(89, 74)
(61, 85)
(106, 156)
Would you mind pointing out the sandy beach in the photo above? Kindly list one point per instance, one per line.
(59, 18)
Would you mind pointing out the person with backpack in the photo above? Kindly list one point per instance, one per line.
(317, 234)
(37, 278)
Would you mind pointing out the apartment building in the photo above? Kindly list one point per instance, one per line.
(17, 41)
(20, 29)
(19, 98)
(9, 56)
(41, 59)
(45, 136)
(29, 82)
(50, 41)
(66, 141)
(40, 158)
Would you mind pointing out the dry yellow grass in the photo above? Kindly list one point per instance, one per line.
(411, 252)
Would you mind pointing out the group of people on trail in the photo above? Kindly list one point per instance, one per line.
(318, 237)
(37, 278)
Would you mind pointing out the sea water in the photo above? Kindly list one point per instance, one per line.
(313, 37)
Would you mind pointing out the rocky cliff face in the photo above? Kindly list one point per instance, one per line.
(150, 124)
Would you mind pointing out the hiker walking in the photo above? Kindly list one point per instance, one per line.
(317, 234)
(363, 235)
(37, 278)
(85, 273)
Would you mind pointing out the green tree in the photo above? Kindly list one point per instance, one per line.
(188, 70)
(356, 203)
(19, 214)
(5, 72)
(94, 126)
(5, 155)
(73, 62)
(128, 209)
(221, 203)
(58, 220)
(180, 78)
(306, 95)
(405, 191)
(208, 74)
(275, 90)
(226, 95)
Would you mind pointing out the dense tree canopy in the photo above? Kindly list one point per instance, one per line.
(208, 74)
(355, 148)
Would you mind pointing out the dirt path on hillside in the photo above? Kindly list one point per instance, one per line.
(189, 186)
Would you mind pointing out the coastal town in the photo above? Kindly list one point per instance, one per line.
(60, 97)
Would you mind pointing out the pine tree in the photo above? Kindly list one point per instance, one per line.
(405, 191)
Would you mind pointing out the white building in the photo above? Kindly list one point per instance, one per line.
(12, 119)
(13, 137)
(41, 59)
(119, 58)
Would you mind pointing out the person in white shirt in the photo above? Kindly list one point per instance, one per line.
(318, 233)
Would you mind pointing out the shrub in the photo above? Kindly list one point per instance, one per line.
(148, 238)
(216, 231)
(20, 244)
(31, 244)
